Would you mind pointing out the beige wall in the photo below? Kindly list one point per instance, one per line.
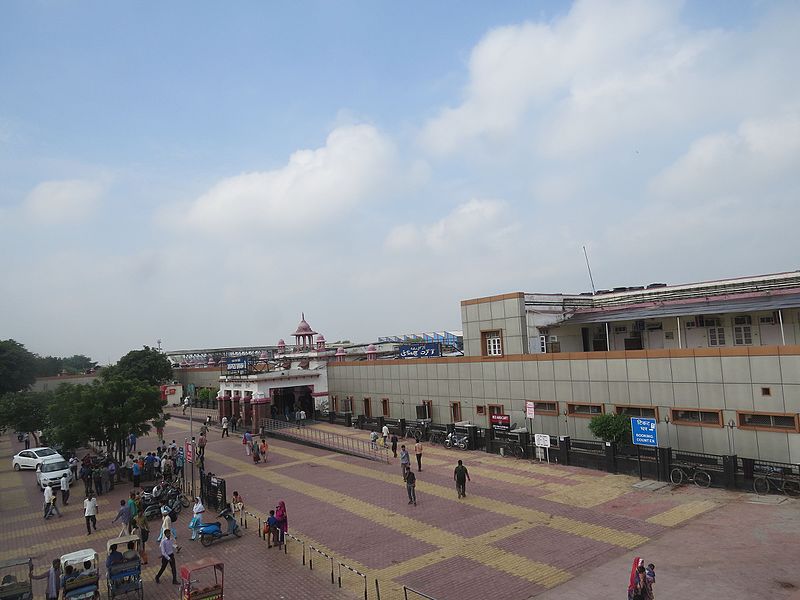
(505, 313)
(729, 379)
(43, 384)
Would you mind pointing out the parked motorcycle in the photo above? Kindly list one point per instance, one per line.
(153, 511)
(213, 531)
(453, 440)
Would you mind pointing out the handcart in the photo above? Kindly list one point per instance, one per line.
(16, 579)
(202, 580)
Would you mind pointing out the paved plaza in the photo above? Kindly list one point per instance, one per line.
(524, 530)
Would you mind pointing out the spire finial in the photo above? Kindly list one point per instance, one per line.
(302, 316)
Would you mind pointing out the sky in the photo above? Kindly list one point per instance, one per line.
(201, 173)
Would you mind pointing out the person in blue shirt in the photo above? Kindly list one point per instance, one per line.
(114, 557)
(137, 473)
(272, 530)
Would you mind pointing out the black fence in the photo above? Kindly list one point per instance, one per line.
(213, 492)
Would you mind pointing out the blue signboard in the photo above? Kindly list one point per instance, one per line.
(644, 432)
(240, 364)
(426, 350)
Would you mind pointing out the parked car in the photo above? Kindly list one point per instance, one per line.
(50, 470)
(32, 458)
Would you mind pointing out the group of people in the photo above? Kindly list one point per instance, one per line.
(641, 585)
(252, 447)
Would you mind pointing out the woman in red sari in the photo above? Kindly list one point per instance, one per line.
(283, 520)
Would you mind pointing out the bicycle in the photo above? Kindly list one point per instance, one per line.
(513, 448)
(437, 437)
(777, 481)
(691, 474)
(417, 434)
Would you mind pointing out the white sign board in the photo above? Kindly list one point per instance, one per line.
(529, 410)
(542, 440)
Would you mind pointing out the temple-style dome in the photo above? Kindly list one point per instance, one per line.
(372, 348)
(340, 351)
(281, 344)
(320, 338)
(303, 328)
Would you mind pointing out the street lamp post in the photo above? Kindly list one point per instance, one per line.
(731, 425)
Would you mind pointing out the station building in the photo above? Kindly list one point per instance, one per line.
(717, 364)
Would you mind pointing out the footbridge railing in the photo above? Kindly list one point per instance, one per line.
(325, 439)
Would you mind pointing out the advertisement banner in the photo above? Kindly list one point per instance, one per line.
(530, 409)
(500, 422)
(426, 350)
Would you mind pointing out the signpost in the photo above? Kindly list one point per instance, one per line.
(530, 409)
(500, 422)
(425, 350)
(542, 440)
(644, 432)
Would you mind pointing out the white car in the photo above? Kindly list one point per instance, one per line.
(50, 470)
(32, 458)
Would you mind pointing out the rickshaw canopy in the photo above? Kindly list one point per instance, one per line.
(79, 557)
(15, 562)
(122, 542)
(203, 563)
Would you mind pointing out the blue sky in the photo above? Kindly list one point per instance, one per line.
(202, 173)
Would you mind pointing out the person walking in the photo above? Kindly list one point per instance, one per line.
(256, 451)
(50, 503)
(405, 461)
(90, 513)
(373, 439)
(27, 439)
(272, 530)
(136, 472)
(247, 441)
(461, 476)
(197, 517)
(385, 434)
(418, 452)
(132, 442)
(166, 526)
(264, 448)
(53, 576)
(225, 427)
(201, 445)
(283, 521)
(123, 516)
(133, 509)
(411, 487)
(186, 402)
(168, 549)
(63, 484)
(237, 504)
(73, 466)
(86, 477)
(394, 445)
(142, 529)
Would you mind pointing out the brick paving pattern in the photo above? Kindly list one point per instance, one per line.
(525, 529)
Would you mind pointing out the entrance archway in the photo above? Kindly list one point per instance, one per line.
(286, 402)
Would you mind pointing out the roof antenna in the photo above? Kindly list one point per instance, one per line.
(591, 279)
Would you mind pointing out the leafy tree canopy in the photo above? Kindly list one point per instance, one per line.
(611, 427)
(147, 364)
(25, 411)
(17, 367)
(48, 366)
(109, 409)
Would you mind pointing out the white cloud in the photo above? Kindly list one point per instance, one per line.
(63, 201)
(315, 185)
(609, 71)
(476, 222)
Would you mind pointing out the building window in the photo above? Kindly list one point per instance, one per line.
(367, 407)
(545, 408)
(584, 410)
(385, 406)
(742, 331)
(334, 404)
(480, 409)
(455, 410)
(765, 391)
(496, 409)
(648, 412)
(703, 418)
(429, 408)
(492, 343)
(716, 336)
(348, 404)
(769, 421)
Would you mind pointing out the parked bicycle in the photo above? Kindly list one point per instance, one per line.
(437, 437)
(690, 474)
(514, 448)
(417, 433)
(455, 441)
(776, 480)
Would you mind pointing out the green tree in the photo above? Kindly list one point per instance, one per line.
(17, 367)
(107, 410)
(611, 427)
(48, 366)
(207, 394)
(25, 411)
(147, 364)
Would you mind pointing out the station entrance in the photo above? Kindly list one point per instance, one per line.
(288, 401)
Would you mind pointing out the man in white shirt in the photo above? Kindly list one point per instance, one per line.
(90, 513)
(64, 485)
(385, 432)
(225, 427)
(186, 402)
(50, 503)
(167, 549)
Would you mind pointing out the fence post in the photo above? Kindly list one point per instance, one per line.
(729, 464)
(563, 450)
(664, 463)
(331, 417)
(402, 433)
(611, 457)
(489, 435)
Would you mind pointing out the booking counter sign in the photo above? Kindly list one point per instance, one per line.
(644, 432)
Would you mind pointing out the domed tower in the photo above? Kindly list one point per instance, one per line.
(320, 342)
(304, 335)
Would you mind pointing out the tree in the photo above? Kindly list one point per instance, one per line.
(25, 411)
(147, 364)
(17, 367)
(611, 427)
(107, 410)
(48, 366)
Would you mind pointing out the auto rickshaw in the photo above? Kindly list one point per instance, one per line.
(15, 579)
(202, 580)
(125, 577)
(81, 577)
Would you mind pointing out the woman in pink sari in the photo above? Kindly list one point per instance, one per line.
(634, 584)
(283, 520)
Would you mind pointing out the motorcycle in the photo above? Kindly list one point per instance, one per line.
(153, 511)
(452, 440)
(213, 531)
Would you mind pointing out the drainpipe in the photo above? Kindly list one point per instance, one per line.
(780, 320)
(679, 332)
(608, 341)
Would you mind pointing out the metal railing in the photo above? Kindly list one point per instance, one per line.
(333, 441)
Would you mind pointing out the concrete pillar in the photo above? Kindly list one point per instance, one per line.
(247, 411)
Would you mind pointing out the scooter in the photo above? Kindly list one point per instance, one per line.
(213, 531)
